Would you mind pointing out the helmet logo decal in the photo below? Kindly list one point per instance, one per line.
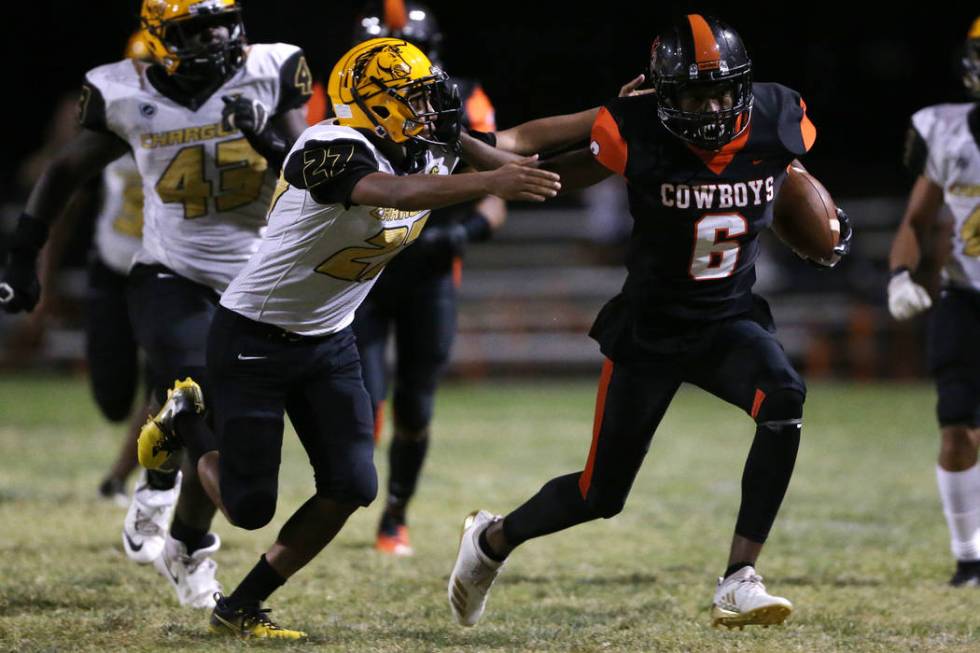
(147, 110)
(390, 61)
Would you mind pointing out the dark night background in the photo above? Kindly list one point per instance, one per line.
(862, 72)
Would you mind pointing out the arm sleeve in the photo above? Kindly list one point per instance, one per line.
(295, 83)
(608, 145)
(915, 153)
(91, 108)
(329, 170)
(796, 131)
(486, 137)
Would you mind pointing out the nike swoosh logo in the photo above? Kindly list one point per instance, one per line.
(163, 275)
(132, 545)
(170, 573)
(242, 357)
(756, 162)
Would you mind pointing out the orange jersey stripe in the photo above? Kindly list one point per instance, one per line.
(585, 480)
(608, 146)
(316, 108)
(479, 111)
(706, 51)
(760, 396)
(807, 129)
(395, 15)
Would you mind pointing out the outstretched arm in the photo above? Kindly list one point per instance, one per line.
(80, 160)
(577, 169)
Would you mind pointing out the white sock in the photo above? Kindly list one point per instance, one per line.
(960, 494)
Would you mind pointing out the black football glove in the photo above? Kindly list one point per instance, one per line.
(843, 246)
(20, 289)
(440, 244)
(250, 116)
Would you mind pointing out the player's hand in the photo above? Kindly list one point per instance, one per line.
(250, 116)
(20, 289)
(629, 89)
(843, 246)
(906, 298)
(441, 243)
(522, 180)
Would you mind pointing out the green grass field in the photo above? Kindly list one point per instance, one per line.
(860, 546)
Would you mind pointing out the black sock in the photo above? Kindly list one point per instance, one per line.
(765, 478)
(486, 548)
(732, 568)
(405, 458)
(161, 480)
(197, 435)
(256, 587)
(192, 538)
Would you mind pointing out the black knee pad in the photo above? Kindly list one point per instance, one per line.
(782, 405)
(958, 403)
(250, 454)
(357, 485)
(605, 502)
(413, 409)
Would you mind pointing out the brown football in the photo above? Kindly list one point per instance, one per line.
(804, 217)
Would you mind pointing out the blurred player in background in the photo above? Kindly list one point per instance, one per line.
(353, 194)
(942, 153)
(704, 157)
(416, 297)
(208, 123)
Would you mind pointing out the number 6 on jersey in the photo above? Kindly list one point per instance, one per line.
(715, 250)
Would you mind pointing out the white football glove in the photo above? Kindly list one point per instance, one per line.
(906, 298)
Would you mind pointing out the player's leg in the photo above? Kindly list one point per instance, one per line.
(629, 405)
(113, 361)
(424, 330)
(954, 359)
(171, 317)
(331, 412)
(371, 327)
(744, 364)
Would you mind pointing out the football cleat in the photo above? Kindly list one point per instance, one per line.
(247, 622)
(394, 542)
(191, 575)
(147, 521)
(114, 489)
(158, 442)
(967, 574)
(473, 573)
(742, 600)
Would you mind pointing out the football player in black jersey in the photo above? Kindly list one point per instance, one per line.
(416, 297)
(704, 156)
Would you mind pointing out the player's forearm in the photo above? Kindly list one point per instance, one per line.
(549, 133)
(578, 169)
(905, 251)
(481, 156)
(420, 192)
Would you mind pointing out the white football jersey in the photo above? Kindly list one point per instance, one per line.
(317, 262)
(119, 225)
(953, 162)
(205, 189)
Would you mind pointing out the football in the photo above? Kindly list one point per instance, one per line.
(804, 217)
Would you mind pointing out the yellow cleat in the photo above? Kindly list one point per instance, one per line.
(158, 441)
(247, 622)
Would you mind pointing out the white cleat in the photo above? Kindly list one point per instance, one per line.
(192, 576)
(473, 573)
(742, 600)
(147, 520)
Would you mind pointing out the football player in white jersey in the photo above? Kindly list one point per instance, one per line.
(208, 123)
(943, 151)
(353, 193)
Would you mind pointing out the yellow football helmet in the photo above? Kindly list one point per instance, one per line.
(389, 86)
(971, 60)
(170, 27)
